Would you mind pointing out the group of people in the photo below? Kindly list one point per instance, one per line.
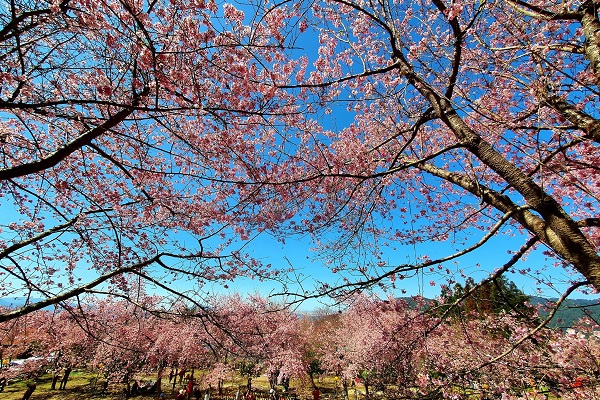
(196, 392)
(140, 387)
(64, 378)
(192, 389)
(56, 376)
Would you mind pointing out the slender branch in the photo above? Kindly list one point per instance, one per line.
(348, 287)
(513, 260)
(458, 41)
(36, 238)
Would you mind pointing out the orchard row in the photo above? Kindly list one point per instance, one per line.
(391, 348)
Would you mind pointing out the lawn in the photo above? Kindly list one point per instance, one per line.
(82, 385)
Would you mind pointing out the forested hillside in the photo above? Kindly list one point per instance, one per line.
(570, 311)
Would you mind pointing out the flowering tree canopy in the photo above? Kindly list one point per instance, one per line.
(386, 346)
(428, 121)
(123, 124)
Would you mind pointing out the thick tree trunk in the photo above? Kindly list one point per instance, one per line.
(591, 30)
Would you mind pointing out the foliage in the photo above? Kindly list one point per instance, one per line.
(457, 119)
(568, 313)
(108, 140)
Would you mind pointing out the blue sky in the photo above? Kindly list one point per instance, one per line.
(297, 252)
(479, 264)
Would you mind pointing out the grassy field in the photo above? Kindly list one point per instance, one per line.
(82, 385)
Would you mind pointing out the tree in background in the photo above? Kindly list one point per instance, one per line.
(406, 353)
(388, 345)
(377, 342)
(262, 336)
(462, 356)
(491, 297)
(124, 334)
(576, 355)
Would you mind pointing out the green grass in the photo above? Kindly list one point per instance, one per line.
(80, 386)
(83, 385)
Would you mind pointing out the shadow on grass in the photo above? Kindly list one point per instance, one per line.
(81, 386)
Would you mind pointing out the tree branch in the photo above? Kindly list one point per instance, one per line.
(588, 124)
(84, 288)
(537, 328)
(53, 159)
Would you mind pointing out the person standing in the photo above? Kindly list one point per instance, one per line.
(272, 394)
(55, 378)
(63, 383)
(135, 388)
(190, 387)
(197, 392)
(30, 388)
(316, 393)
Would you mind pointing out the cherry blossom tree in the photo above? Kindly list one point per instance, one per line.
(457, 358)
(434, 120)
(69, 342)
(123, 334)
(233, 335)
(576, 356)
(389, 345)
(316, 329)
(123, 140)
(377, 342)
(24, 340)
(263, 335)
(194, 340)
(405, 353)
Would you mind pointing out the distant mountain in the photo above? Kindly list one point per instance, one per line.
(11, 302)
(569, 312)
(15, 302)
